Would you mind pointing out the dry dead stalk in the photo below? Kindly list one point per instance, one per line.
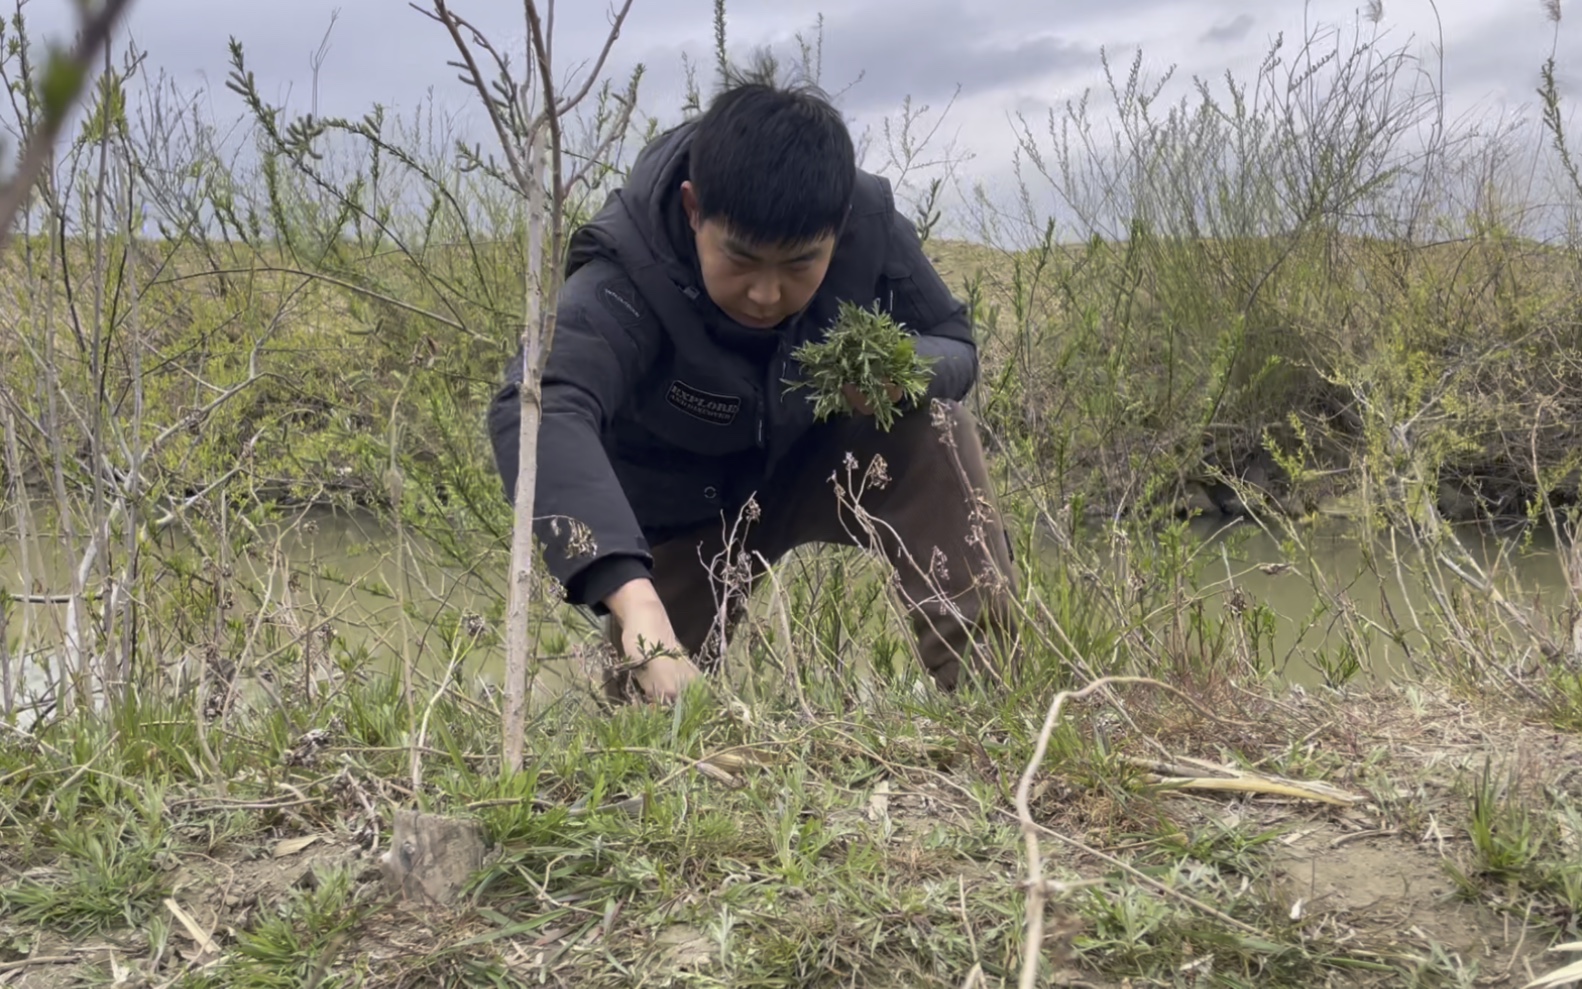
(1038, 889)
(792, 668)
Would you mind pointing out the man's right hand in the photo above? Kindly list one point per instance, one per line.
(645, 629)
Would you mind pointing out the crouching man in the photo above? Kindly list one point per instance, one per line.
(666, 413)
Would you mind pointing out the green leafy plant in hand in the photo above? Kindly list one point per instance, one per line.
(870, 352)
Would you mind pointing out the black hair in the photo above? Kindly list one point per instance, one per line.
(775, 163)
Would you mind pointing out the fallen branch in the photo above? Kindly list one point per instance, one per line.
(1256, 784)
(45, 960)
(1167, 776)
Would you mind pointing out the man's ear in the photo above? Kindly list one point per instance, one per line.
(689, 202)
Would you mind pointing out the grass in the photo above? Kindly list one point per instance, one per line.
(860, 829)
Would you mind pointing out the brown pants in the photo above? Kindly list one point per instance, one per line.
(925, 501)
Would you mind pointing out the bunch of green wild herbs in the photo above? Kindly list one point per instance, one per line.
(869, 351)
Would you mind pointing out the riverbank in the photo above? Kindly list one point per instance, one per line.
(823, 817)
(867, 835)
(335, 575)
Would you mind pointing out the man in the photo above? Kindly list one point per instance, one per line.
(665, 409)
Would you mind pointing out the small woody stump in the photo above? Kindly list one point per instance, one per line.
(431, 857)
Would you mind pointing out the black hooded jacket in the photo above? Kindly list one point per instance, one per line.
(659, 411)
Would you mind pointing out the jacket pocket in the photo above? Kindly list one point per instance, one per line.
(675, 497)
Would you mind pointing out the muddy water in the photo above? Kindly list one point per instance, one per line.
(350, 577)
(1334, 581)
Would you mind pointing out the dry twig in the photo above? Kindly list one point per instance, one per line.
(1038, 889)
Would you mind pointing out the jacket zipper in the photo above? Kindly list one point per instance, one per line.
(775, 363)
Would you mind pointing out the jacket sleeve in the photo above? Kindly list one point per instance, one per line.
(918, 298)
(592, 542)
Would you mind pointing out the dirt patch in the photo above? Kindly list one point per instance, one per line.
(220, 895)
(225, 894)
(1380, 875)
(1386, 869)
(684, 947)
(1395, 893)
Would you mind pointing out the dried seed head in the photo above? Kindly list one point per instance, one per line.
(938, 416)
(878, 473)
(938, 566)
(580, 542)
(1237, 605)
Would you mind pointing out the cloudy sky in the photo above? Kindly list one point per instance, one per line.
(1004, 55)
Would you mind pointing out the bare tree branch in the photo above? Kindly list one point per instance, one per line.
(70, 75)
(598, 63)
(442, 13)
(617, 128)
(529, 128)
(550, 116)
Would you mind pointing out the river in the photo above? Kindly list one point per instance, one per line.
(350, 578)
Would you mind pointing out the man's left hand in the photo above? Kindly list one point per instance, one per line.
(860, 404)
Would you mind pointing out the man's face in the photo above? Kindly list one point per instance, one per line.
(758, 286)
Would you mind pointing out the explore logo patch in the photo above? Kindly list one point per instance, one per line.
(621, 299)
(716, 410)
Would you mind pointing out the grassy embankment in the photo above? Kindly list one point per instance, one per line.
(799, 824)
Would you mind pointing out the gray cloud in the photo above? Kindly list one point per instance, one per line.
(888, 51)
(1499, 58)
(1230, 31)
(1011, 54)
(876, 53)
